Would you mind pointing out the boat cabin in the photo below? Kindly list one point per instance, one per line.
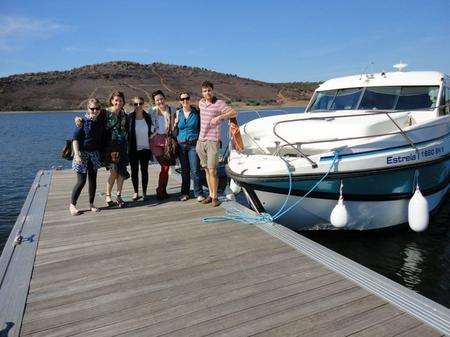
(394, 91)
(356, 110)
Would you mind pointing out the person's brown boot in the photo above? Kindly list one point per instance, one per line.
(215, 202)
(159, 196)
(208, 200)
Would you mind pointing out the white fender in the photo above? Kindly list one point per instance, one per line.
(339, 215)
(418, 212)
(235, 188)
(228, 193)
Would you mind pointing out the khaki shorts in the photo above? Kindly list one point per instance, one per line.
(208, 152)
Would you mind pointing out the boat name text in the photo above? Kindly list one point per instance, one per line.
(423, 153)
(400, 159)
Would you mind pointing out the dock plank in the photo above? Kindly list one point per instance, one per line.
(156, 269)
(16, 275)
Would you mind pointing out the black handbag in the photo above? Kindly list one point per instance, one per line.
(67, 152)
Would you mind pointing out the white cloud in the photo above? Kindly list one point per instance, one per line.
(14, 30)
(11, 26)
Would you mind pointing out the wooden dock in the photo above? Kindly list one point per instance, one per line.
(155, 269)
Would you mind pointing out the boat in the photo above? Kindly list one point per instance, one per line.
(365, 145)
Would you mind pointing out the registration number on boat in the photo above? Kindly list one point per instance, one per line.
(432, 152)
(424, 153)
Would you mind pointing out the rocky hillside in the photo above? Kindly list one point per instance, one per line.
(63, 90)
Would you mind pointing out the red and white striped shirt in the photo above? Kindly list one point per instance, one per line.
(207, 112)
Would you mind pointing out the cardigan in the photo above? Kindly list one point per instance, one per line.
(169, 117)
(132, 147)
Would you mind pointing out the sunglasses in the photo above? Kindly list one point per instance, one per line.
(95, 108)
(138, 104)
(185, 98)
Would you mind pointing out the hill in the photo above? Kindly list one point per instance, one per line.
(67, 90)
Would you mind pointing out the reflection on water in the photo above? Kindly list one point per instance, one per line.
(410, 272)
(419, 261)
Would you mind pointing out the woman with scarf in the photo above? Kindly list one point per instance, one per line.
(117, 126)
(87, 142)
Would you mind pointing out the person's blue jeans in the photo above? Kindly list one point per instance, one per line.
(190, 169)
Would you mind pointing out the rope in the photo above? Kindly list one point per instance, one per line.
(237, 215)
(415, 184)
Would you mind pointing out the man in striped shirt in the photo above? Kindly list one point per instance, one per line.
(212, 112)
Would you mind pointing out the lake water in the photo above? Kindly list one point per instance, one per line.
(420, 261)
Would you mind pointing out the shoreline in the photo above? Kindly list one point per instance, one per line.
(242, 108)
(37, 112)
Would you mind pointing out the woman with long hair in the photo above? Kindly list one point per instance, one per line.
(162, 121)
(140, 126)
(117, 125)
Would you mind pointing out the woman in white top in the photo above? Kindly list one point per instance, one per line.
(139, 153)
(162, 120)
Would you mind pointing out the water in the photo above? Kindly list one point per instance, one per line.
(420, 261)
(29, 142)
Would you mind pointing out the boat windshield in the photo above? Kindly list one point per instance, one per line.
(346, 99)
(376, 98)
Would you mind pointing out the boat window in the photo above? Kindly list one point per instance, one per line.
(346, 99)
(322, 100)
(417, 98)
(383, 98)
(377, 98)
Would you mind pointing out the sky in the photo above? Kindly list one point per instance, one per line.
(267, 40)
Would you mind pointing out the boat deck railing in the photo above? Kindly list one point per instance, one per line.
(296, 146)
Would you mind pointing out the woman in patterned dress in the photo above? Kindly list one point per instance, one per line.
(87, 142)
(117, 125)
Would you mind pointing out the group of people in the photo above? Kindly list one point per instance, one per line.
(115, 139)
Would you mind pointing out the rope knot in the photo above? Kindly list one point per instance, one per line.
(266, 217)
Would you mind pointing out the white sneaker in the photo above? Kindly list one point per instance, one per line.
(200, 198)
(74, 210)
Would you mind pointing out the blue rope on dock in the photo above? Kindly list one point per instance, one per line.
(236, 215)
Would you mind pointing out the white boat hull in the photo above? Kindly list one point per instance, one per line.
(314, 213)
(373, 154)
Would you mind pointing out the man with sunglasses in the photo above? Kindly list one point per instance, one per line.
(139, 154)
(212, 112)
